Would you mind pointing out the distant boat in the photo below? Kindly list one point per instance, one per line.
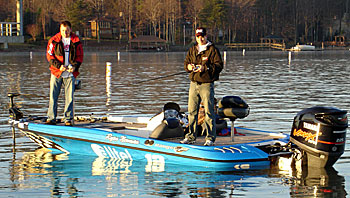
(303, 48)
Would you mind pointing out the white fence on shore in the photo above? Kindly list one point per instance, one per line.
(10, 33)
(9, 29)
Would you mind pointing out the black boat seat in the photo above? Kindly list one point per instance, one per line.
(233, 107)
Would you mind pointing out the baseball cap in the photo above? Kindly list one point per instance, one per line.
(201, 31)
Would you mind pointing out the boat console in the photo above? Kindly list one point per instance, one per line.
(170, 126)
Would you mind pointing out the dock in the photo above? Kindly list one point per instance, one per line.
(277, 46)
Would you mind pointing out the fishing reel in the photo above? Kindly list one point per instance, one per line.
(15, 113)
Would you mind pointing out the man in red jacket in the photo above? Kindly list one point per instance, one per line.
(65, 55)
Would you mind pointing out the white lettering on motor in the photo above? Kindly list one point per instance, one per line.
(312, 127)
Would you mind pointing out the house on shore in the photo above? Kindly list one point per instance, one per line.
(148, 43)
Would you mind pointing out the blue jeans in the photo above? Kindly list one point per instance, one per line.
(55, 90)
(204, 93)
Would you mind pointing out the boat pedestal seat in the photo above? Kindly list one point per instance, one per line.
(233, 107)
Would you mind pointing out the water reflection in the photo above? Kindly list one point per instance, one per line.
(311, 181)
(76, 176)
(69, 175)
(274, 89)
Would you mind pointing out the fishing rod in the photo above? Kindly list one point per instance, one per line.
(143, 81)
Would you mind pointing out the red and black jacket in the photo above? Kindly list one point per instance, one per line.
(55, 54)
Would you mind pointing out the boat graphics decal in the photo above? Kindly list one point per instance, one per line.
(176, 149)
(202, 158)
(231, 149)
(155, 163)
(241, 166)
(44, 142)
(106, 151)
(122, 139)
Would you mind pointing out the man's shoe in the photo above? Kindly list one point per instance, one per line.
(187, 141)
(68, 123)
(50, 122)
(208, 143)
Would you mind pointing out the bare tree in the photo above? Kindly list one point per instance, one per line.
(45, 13)
(193, 8)
(151, 10)
(34, 30)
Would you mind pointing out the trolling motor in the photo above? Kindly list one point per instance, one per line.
(15, 113)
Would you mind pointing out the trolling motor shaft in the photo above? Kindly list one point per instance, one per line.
(15, 113)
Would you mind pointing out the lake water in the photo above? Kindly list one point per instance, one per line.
(274, 88)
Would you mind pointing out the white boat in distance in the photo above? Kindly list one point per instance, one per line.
(303, 48)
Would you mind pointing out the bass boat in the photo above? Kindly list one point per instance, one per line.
(317, 137)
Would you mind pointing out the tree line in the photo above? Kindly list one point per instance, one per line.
(226, 20)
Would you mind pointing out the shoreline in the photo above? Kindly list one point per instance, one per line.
(113, 46)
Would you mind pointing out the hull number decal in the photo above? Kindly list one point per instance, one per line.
(155, 163)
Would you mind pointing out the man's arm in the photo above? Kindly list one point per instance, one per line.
(218, 65)
(79, 56)
(188, 65)
(50, 55)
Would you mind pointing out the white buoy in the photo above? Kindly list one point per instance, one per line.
(31, 55)
(118, 56)
(243, 52)
(225, 56)
(289, 57)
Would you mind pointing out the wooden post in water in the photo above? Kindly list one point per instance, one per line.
(224, 57)
(108, 81)
(289, 57)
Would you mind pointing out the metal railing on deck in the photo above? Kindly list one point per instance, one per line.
(280, 46)
(9, 29)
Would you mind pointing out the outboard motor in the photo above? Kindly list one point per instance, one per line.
(233, 107)
(320, 133)
(170, 127)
